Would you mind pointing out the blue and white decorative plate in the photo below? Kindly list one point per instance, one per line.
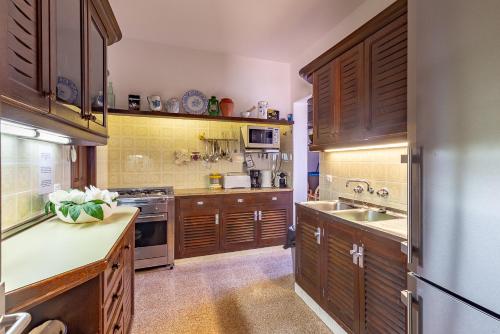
(66, 90)
(194, 102)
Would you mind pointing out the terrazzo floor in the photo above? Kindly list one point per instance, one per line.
(249, 292)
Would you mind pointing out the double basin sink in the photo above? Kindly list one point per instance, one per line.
(351, 212)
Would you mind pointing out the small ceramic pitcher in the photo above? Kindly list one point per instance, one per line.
(154, 103)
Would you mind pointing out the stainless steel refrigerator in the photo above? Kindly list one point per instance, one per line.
(454, 166)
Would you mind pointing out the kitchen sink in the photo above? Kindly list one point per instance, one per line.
(329, 205)
(364, 215)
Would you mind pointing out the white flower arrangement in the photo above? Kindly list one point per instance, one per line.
(75, 206)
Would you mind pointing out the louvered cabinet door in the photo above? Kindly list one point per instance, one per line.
(308, 253)
(198, 232)
(323, 105)
(340, 279)
(386, 67)
(273, 226)
(350, 87)
(239, 229)
(25, 71)
(382, 278)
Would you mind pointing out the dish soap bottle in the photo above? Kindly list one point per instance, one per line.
(213, 106)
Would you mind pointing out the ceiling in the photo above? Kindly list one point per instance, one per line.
(268, 29)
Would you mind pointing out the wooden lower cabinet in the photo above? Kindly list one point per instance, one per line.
(361, 293)
(224, 223)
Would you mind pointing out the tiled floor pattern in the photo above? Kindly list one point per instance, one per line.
(247, 292)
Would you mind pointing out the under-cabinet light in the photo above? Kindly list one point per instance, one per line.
(371, 147)
(19, 130)
(52, 137)
(14, 129)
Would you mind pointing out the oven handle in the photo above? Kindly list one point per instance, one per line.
(152, 218)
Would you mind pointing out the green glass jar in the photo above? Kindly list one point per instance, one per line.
(213, 106)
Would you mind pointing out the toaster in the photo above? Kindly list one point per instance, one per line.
(236, 180)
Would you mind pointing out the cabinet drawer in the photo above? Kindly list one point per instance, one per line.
(116, 326)
(113, 271)
(275, 198)
(113, 303)
(199, 202)
(242, 200)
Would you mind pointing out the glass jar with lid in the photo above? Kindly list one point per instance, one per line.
(215, 181)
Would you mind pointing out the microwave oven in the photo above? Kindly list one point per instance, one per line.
(260, 137)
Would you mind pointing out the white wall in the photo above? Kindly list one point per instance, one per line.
(147, 68)
(366, 11)
(300, 151)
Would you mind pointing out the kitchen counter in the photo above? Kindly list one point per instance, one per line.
(208, 192)
(395, 229)
(54, 248)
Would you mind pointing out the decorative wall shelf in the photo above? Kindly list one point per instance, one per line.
(141, 113)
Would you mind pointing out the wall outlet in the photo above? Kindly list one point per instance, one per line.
(57, 186)
(329, 178)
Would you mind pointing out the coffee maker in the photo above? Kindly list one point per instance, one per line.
(255, 178)
(282, 180)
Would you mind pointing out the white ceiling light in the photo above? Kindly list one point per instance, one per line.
(371, 147)
(52, 137)
(19, 130)
(14, 129)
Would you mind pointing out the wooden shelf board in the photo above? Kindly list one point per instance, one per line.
(141, 113)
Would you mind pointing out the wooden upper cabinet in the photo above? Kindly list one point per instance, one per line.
(340, 281)
(359, 85)
(349, 69)
(386, 68)
(47, 80)
(383, 277)
(24, 56)
(308, 254)
(324, 105)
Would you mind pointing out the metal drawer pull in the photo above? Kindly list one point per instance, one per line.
(317, 234)
(240, 200)
(260, 215)
(216, 219)
(255, 215)
(274, 198)
(16, 321)
(354, 253)
(200, 203)
(361, 254)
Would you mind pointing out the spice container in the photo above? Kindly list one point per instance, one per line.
(215, 181)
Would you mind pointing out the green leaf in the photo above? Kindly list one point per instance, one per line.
(97, 201)
(74, 212)
(93, 210)
(64, 210)
(52, 208)
(47, 207)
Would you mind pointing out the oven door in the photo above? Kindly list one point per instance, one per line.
(151, 236)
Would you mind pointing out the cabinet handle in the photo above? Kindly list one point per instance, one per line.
(260, 215)
(274, 198)
(361, 255)
(354, 253)
(240, 200)
(216, 219)
(199, 203)
(317, 235)
(255, 215)
(50, 95)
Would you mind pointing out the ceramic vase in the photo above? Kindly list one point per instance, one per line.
(227, 107)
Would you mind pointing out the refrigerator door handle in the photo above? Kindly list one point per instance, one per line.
(414, 189)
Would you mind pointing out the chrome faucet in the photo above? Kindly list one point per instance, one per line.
(358, 189)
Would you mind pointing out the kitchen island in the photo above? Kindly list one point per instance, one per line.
(48, 268)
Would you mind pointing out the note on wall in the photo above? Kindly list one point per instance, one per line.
(46, 171)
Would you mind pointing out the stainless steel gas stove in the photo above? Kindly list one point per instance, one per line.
(154, 228)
